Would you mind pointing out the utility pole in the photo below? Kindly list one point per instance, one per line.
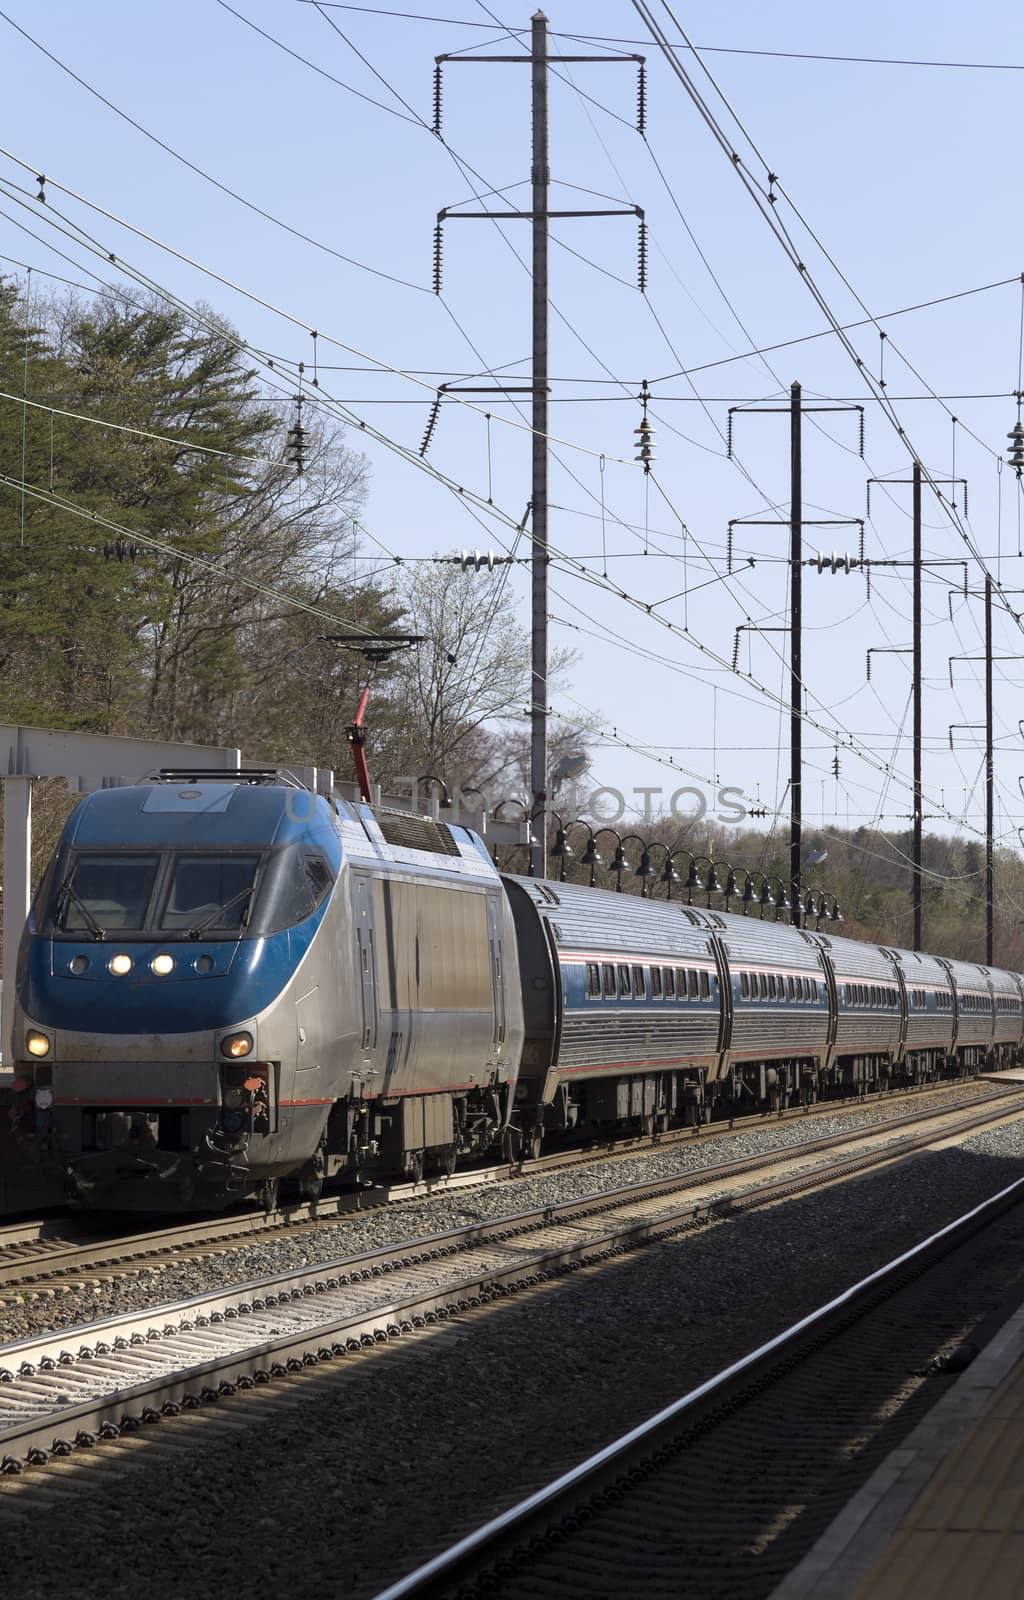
(796, 682)
(796, 524)
(989, 781)
(915, 850)
(539, 216)
(916, 481)
(541, 177)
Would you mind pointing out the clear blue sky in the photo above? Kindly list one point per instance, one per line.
(907, 174)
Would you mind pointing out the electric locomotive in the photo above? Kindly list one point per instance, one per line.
(227, 982)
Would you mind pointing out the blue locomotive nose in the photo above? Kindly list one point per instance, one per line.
(172, 918)
(125, 987)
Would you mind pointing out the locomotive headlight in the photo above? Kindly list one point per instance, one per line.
(38, 1044)
(162, 965)
(121, 964)
(236, 1045)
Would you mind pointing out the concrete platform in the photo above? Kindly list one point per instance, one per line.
(1005, 1075)
(943, 1516)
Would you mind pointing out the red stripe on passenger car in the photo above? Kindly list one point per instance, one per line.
(124, 1100)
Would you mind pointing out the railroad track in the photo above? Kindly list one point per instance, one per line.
(64, 1390)
(50, 1250)
(757, 1459)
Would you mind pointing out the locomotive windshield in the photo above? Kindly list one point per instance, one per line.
(183, 894)
(210, 892)
(107, 891)
(186, 893)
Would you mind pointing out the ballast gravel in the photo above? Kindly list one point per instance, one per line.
(335, 1481)
(56, 1305)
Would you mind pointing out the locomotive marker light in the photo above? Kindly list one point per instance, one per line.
(38, 1044)
(236, 1045)
(121, 965)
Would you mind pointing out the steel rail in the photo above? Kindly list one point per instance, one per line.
(563, 1506)
(128, 1254)
(59, 1260)
(248, 1333)
(63, 1253)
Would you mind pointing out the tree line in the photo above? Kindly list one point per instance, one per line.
(203, 621)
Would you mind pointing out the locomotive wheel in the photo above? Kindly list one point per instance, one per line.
(267, 1193)
(534, 1145)
(512, 1145)
(309, 1183)
(311, 1188)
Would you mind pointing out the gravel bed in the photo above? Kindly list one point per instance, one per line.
(334, 1481)
(64, 1306)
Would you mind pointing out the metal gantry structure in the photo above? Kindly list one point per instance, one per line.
(796, 522)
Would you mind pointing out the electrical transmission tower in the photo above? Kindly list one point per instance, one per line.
(539, 216)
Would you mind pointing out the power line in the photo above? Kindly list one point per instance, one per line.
(224, 188)
(709, 49)
(766, 200)
(502, 517)
(22, 197)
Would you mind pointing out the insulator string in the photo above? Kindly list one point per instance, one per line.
(604, 541)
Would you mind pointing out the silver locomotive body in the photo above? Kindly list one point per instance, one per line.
(224, 984)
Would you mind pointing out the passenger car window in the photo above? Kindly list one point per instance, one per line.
(624, 980)
(609, 978)
(639, 985)
(705, 985)
(670, 982)
(656, 982)
(593, 978)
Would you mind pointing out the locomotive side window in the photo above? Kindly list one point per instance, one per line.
(106, 891)
(593, 978)
(608, 972)
(318, 877)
